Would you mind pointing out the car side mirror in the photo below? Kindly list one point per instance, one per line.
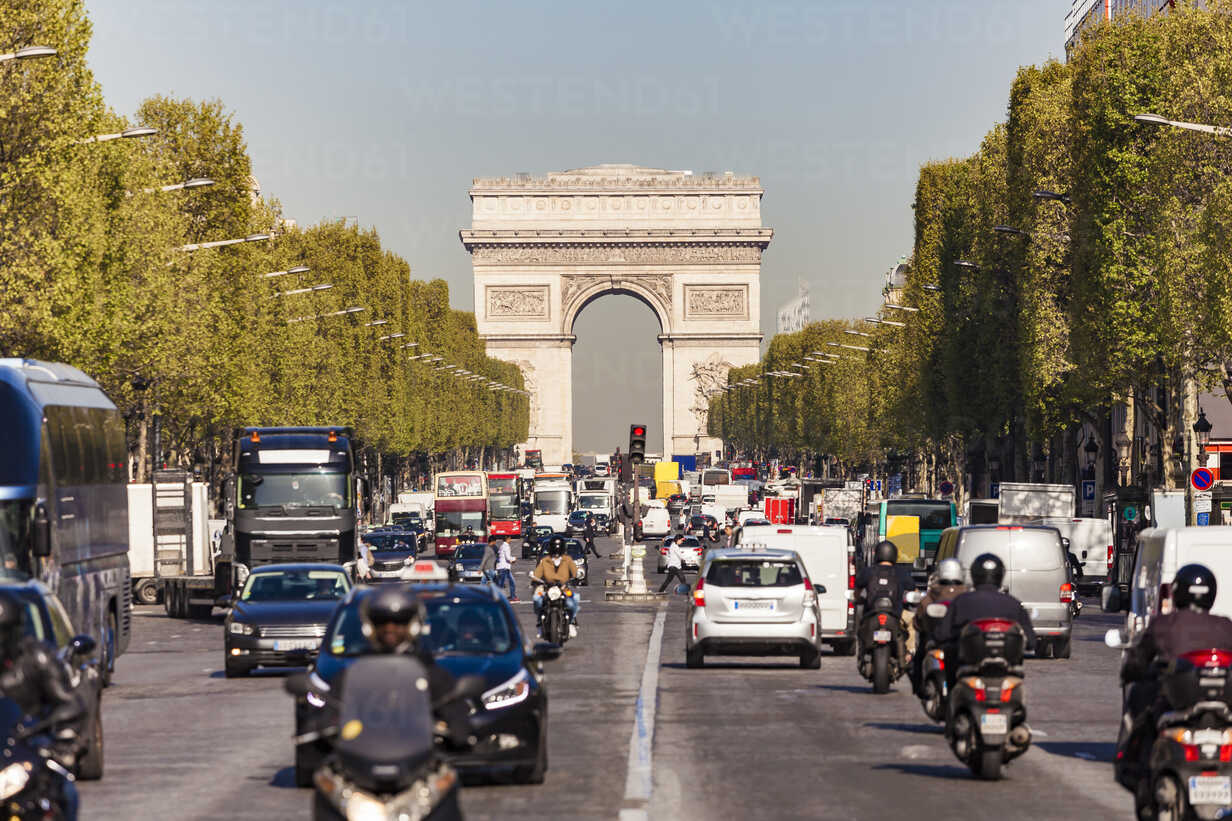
(1113, 639)
(545, 651)
(42, 532)
(920, 563)
(819, 589)
(297, 684)
(82, 645)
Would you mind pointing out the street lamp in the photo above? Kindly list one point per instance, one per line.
(1042, 194)
(353, 310)
(197, 246)
(892, 322)
(930, 286)
(854, 333)
(1202, 430)
(187, 185)
(1091, 449)
(906, 308)
(1123, 444)
(126, 134)
(967, 264)
(1009, 230)
(298, 269)
(1155, 119)
(324, 286)
(29, 53)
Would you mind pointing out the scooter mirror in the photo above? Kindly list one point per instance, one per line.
(1113, 639)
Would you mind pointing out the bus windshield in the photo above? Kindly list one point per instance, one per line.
(453, 522)
(503, 507)
(933, 515)
(550, 502)
(292, 490)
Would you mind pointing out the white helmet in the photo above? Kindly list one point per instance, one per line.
(950, 571)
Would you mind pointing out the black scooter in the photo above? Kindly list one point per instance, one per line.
(986, 721)
(879, 661)
(384, 762)
(932, 687)
(33, 784)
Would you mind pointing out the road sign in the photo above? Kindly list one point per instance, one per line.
(994, 490)
(1130, 513)
(1088, 490)
(947, 487)
(1204, 519)
(1202, 479)
(1202, 502)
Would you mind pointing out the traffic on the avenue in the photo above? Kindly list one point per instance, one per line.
(291, 529)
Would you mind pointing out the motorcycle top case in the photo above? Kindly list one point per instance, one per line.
(1198, 676)
(385, 724)
(989, 639)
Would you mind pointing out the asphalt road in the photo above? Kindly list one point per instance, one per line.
(741, 738)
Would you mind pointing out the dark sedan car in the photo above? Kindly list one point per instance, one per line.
(472, 631)
(577, 522)
(46, 620)
(464, 566)
(393, 551)
(700, 525)
(279, 616)
(530, 543)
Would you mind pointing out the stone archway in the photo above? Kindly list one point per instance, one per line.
(688, 246)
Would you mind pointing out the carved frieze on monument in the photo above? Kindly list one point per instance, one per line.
(574, 284)
(520, 302)
(616, 255)
(705, 301)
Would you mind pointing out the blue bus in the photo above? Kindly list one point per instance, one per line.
(64, 496)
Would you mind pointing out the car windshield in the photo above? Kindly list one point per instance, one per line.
(389, 541)
(575, 550)
(14, 536)
(295, 585)
(543, 531)
(754, 573)
(470, 551)
(455, 625)
(578, 516)
(292, 490)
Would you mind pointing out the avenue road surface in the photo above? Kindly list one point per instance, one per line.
(741, 738)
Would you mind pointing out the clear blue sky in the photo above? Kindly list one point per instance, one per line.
(385, 111)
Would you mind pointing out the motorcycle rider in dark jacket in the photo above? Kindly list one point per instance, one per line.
(985, 601)
(1188, 627)
(882, 581)
(945, 585)
(40, 683)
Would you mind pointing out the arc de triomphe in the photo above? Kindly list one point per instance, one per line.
(688, 246)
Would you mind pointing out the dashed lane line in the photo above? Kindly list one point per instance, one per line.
(640, 779)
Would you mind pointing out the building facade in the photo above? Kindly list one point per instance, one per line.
(1085, 13)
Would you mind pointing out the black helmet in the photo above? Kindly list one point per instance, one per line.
(556, 547)
(393, 604)
(1194, 588)
(987, 569)
(885, 552)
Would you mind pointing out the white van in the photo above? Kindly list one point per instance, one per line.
(829, 558)
(656, 521)
(1164, 550)
(1091, 541)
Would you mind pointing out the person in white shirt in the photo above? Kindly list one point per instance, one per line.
(675, 565)
(504, 568)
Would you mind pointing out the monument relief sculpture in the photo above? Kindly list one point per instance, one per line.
(715, 301)
(518, 302)
(707, 377)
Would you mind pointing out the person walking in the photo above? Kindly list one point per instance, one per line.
(589, 533)
(504, 569)
(674, 564)
(487, 565)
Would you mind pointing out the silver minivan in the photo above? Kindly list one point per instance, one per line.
(1036, 574)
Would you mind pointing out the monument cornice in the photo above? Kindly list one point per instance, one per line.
(616, 238)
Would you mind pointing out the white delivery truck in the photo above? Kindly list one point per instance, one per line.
(553, 502)
(1031, 503)
(840, 503)
(171, 542)
(412, 503)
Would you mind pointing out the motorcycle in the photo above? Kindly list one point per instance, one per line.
(33, 784)
(1190, 772)
(986, 721)
(879, 661)
(384, 761)
(555, 613)
(932, 685)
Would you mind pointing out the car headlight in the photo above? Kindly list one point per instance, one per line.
(514, 691)
(13, 779)
(239, 628)
(459, 566)
(241, 574)
(408, 561)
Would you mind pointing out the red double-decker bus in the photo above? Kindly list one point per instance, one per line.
(504, 504)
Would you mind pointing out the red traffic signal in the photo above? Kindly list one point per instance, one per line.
(637, 444)
(638, 430)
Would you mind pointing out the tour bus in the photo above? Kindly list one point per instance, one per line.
(460, 502)
(64, 496)
(504, 505)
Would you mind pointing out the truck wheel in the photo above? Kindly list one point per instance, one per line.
(168, 602)
(146, 592)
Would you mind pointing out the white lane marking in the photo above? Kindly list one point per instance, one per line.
(640, 781)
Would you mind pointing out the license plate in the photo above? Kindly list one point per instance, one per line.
(882, 636)
(1210, 789)
(753, 605)
(994, 724)
(287, 645)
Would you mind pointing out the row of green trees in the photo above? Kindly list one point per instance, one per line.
(93, 272)
(1079, 259)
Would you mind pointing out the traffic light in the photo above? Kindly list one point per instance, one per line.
(637, 444)
(623, 468)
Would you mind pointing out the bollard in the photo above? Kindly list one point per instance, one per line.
(637, 577)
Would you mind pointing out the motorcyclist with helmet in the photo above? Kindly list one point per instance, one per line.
(882, 580)
(1184, 626)
(559, 568)
(41, 685)
(984, 601)
(944, 586)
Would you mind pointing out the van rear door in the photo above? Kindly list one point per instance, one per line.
(825, 555)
